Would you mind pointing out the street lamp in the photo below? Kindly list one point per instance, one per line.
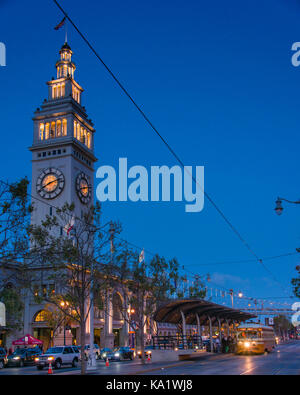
(279, 208)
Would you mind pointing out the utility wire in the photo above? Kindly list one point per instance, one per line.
(171, 150)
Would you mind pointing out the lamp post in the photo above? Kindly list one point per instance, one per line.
(279, 208)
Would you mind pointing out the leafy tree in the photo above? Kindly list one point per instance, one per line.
(11, 297)
(77, 264)
(14, 221)
(282, 325)
(144, 285)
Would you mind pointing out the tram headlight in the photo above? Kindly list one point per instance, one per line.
(247, 344)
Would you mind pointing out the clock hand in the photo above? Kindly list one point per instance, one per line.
(49, 183)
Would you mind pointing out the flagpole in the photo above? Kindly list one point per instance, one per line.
(66, 31)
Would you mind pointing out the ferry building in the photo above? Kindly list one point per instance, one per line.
(63, 162)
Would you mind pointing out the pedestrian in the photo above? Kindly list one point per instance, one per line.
(10, 351)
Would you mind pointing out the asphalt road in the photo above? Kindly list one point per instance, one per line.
(284, 360)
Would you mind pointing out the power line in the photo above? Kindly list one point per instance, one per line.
(171, 150)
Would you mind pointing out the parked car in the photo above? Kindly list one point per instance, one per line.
(147, 352)
(58, 356)
(106, 353)
(23, 356)
(87, 350)
(3, 358)
(122, 353)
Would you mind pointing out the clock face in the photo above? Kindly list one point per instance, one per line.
(50, 183)
(83, 188)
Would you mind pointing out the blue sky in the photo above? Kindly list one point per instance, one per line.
(217, 81)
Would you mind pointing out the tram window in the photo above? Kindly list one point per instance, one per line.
(249, 335)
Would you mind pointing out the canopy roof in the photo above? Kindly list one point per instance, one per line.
(27, 340)
(170, 312)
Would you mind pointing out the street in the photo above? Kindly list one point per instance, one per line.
(285, 360)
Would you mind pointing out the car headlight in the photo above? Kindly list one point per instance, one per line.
(16, 358)
(149, 352)
(139, 352)
(37, 359)
(247, 344)
(117, 354)
(104, 355)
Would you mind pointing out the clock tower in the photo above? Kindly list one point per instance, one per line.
(63, 146)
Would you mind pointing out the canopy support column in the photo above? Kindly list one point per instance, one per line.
(183, 330)
(210, 335)
(228, 328)
(220, 334)
(199, 331)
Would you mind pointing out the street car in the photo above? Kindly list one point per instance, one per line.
(58, 356)
(23, 356)
(122, 353)
(3, 358)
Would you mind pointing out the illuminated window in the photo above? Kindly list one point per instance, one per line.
(78, 131)
(89, 140)
(54, 92)
(82, 136)
(64, 128)
(41, 316)
(42, 129)
(75, 129)
(52, 131)
(47, 131)
(63, 90)
(58, 128)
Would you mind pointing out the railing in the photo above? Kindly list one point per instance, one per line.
(176, 342)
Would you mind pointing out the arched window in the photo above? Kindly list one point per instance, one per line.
(41, 316)
(63, 90)
(64, 129)
(89, 140)
(42, 129)
(82, 136)
(75, 129)
(58, 128)
(52, 132)
(85, 137)
(47, 130)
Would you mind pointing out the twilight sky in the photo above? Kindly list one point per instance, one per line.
(216, 79)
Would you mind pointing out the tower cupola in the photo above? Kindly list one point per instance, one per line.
(65, 67)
